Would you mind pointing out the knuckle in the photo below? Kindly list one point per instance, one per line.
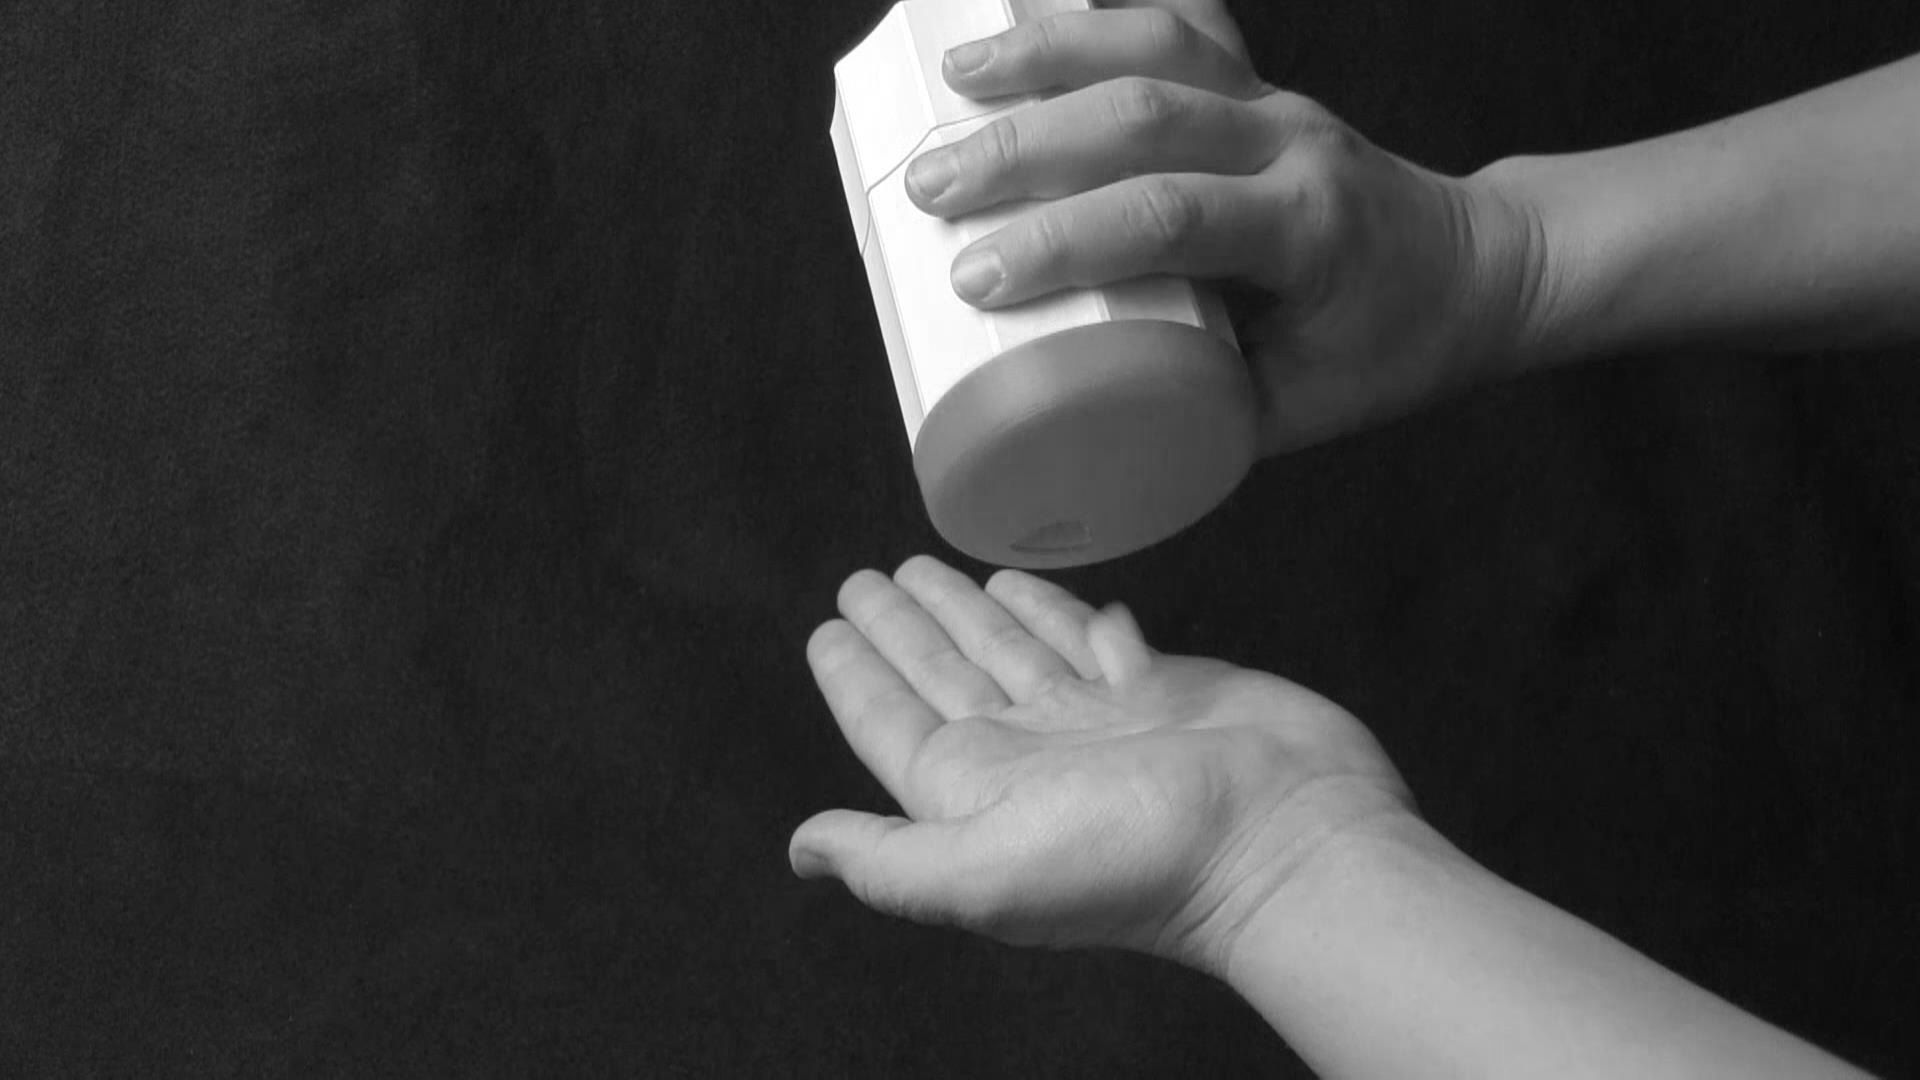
(1166, 214)
(1003, 640)
(1314, 169)
(939, 657)
(1166, 32)
(1143, 108)
(1322, 195)
(1333, 146)
(997, 146)
(1046, 242)
(1032, 46)
(1043, 38)
(1296, 110)
(1300, 119)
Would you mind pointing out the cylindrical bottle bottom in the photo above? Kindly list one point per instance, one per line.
(1087, 444)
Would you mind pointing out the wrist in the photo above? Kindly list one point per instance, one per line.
(1538, 261)
(1391, 851)
(1395, 954)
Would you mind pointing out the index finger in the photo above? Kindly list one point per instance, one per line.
(883, 719)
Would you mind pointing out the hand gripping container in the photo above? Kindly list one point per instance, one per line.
(1065, 430)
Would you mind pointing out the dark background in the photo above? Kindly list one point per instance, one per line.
(429, 432)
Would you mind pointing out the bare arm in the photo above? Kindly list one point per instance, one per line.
(1794, 225)
(1385, 951)
(1396, 955)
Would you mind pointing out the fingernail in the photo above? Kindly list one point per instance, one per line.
(976, 274)
(807, 863)
(969, 58)
(930, 174)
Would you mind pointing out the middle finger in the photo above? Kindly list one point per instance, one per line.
(987, 633)
(918, 647)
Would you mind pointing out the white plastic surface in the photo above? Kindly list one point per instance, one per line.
(891, 104)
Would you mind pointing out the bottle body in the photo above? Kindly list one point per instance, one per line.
(1065, 430)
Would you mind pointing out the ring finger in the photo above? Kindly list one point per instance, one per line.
(986, 633)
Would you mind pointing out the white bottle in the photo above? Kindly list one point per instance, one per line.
(1065, 430)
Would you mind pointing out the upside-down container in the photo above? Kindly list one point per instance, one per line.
(1065, 430)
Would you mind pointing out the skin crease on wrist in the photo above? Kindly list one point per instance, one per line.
(1395, 954)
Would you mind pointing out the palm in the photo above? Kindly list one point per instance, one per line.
(1066, 790)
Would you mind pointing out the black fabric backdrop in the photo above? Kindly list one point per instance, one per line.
(428, 434)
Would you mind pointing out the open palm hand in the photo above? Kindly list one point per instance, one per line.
(1064, 784)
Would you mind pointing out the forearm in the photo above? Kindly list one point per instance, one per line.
(1796, 225)
(1404, 958)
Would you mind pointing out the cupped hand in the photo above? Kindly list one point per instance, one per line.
(1063, 783)
(1379, 285)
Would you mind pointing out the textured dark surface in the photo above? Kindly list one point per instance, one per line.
(429, 432)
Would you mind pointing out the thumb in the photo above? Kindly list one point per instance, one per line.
(929, 871)
(1118, 644)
